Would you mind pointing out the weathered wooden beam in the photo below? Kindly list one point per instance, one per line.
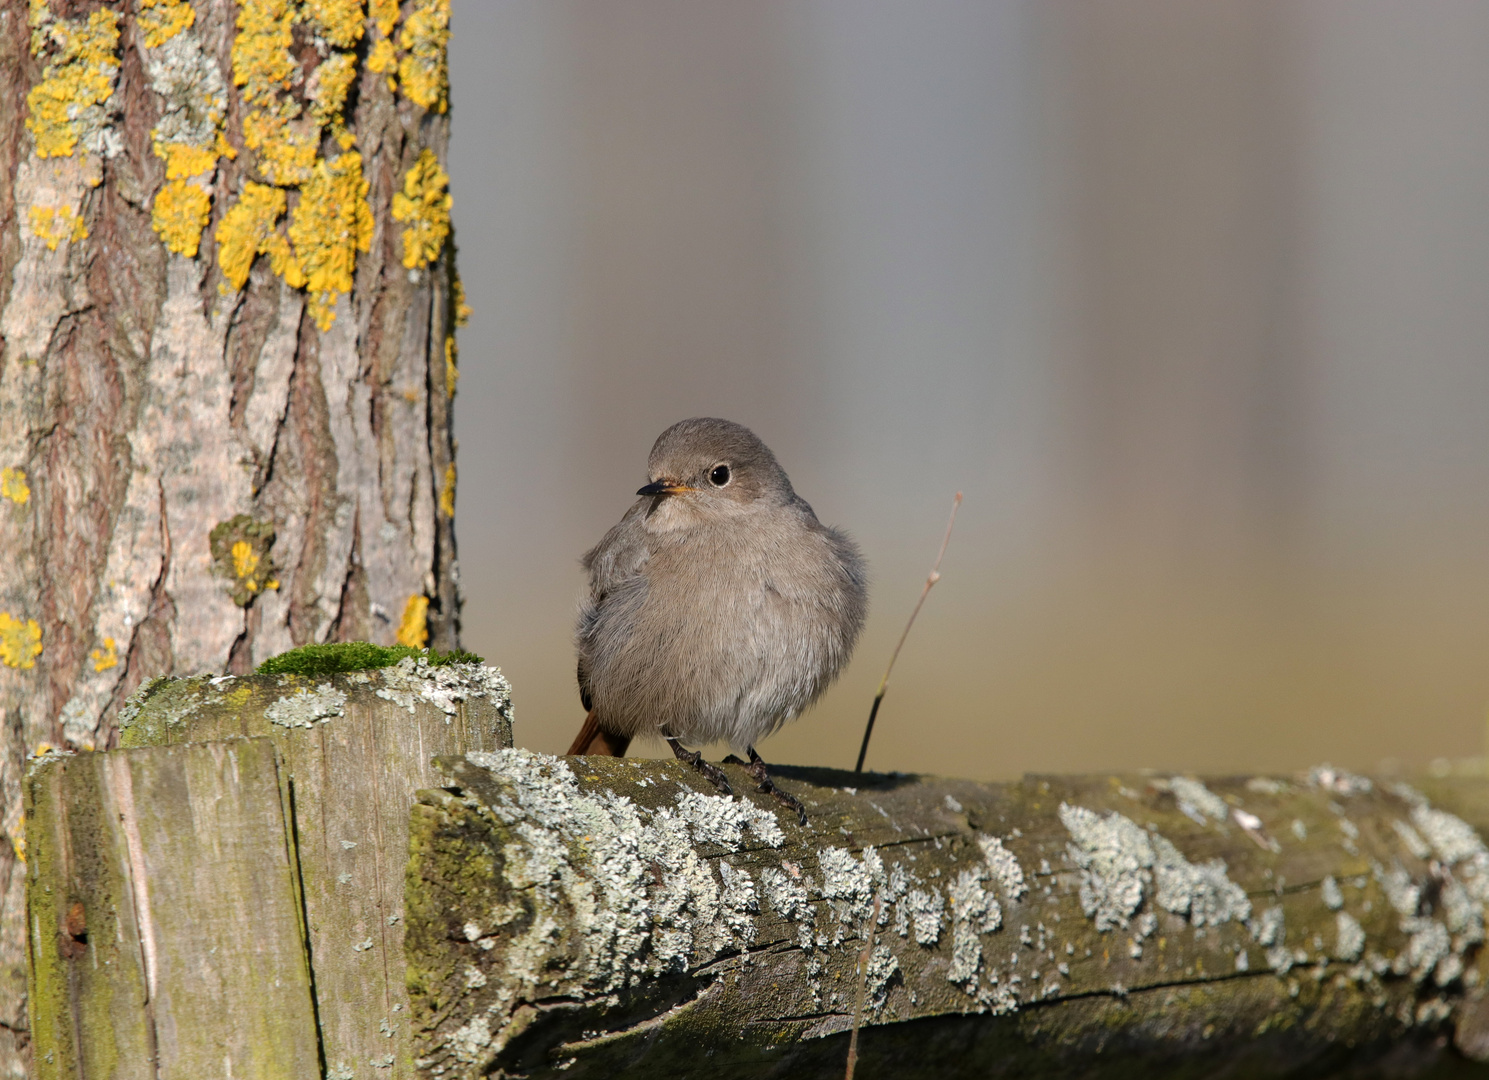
(356, 747)
(165, 924)
(590, 917)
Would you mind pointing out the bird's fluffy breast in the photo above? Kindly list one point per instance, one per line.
(729, 653)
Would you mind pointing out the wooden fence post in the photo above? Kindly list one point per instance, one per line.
(356, 748)
(166, 932)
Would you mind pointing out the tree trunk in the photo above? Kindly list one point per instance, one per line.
(227, 298)
(601, 918)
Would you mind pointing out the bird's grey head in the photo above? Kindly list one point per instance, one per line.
(708, 465)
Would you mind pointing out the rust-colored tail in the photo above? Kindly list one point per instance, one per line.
(593, 739)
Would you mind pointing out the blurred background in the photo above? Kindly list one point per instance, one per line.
(1190, 300)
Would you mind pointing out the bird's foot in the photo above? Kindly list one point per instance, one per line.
(711, 772)
(756, 768)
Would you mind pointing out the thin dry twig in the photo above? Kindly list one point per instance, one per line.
(863, 986)
(935, 576)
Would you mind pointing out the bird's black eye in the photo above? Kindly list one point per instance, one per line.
(718, 476)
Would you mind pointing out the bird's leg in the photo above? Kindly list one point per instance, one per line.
(757, 769)
(713, 773)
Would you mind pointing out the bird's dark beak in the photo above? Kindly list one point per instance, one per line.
(664, 487)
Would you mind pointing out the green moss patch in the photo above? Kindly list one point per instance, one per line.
(355, 656)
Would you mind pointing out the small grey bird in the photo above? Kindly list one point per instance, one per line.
(719, 606)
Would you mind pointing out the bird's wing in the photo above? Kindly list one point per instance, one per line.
(616, 559)
(585, 697)
(619, 556)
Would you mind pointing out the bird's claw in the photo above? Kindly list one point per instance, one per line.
(711, 772)
(756, 768)
(792, 801)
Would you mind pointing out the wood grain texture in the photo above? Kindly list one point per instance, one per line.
(355, 748)
(591, 917)
(166, 923)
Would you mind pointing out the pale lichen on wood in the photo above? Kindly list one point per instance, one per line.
(207, 707)
(581, 916)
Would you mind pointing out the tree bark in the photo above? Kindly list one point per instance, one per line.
(228, 300)
(598, 917)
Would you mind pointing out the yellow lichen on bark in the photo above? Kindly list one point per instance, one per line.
(285, 145)
(241, 552)
(247, 230)
(106, 657)
(13, 485)
(264, 67)
(331, 220)
(17, 836)
(330, 225)
(447, 492)
(328, 88)
(183, 160)
(339, 21)
(180, 214)
(188, 136)
(76, 82)
(424, 69)
(452, 373)
(262, 64)
(424, 207)
(384, 15)
(38, 18)
(20, 641)
(245, 562)
(462, 309)
(383, 57)
(53, 225)
(162, 20)
(413, 628)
